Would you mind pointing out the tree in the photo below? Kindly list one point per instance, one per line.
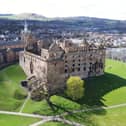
(75, 87)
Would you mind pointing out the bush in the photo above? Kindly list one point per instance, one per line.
(75, 88)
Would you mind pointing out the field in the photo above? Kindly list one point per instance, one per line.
(10, 120)
(106, 90)
(10, 84)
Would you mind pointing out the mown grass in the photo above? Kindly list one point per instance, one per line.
(11, 120)
(10, 78)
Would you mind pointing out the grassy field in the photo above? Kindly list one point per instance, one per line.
(106, 90)
(10, 120)
(10, 78)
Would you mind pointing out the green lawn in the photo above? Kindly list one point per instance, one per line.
(106, 90)
(10, 78)
(11, 120)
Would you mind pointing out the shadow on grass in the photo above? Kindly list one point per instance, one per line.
(97, 87)
(82, 118)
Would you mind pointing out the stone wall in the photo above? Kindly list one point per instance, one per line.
(33, 65)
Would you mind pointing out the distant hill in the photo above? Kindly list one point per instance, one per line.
(30, 16)
(34, 16)
(23, 16)
(73, 23)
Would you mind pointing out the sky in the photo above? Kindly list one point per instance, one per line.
(112, 9)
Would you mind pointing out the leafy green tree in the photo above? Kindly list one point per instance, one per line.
(75, 87)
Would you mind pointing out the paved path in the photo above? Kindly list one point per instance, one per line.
(100, 108)
(26, 100)
(22, 114)
(57, 119)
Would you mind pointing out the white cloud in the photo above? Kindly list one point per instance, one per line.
(62, 8)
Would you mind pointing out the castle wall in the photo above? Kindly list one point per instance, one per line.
(33, 65)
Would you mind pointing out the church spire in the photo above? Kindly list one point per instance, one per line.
(25, 26)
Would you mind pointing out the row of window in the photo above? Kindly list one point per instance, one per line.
(73, 69)
(93, 67)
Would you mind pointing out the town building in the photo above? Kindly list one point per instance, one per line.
(9, 52)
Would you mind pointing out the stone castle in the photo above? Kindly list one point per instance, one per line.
(54, 63)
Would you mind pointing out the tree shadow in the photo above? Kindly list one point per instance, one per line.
(97, 87)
